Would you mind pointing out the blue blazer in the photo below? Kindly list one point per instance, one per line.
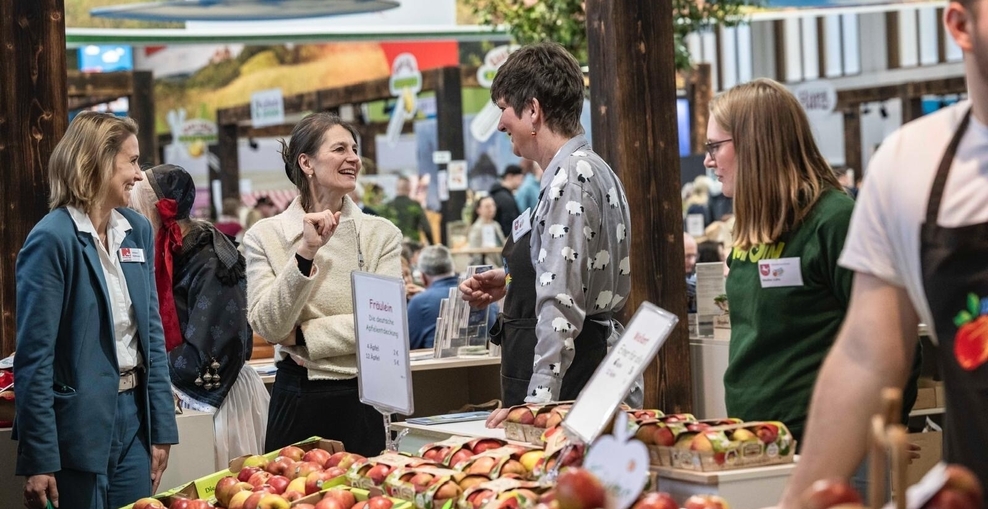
(65, 365)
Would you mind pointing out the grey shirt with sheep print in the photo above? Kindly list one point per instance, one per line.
(581, 254)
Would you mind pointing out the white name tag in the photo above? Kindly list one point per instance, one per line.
(131, 254)
(780, 272)
(522, 225)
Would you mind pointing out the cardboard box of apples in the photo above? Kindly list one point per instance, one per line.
(716, 445)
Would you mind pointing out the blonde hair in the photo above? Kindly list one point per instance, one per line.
(780, 171)
(84, 159)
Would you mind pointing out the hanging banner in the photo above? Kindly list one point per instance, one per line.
(405, 84)
(484, 125)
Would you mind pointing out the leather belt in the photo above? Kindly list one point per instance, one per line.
(128, 380)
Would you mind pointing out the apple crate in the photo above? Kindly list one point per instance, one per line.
(374, 471)
(426, 487)
(361, 495)
(526, 493)
(454, 450)
(729, 447)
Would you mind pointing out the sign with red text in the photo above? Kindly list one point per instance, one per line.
(381, 327)
(644, 335)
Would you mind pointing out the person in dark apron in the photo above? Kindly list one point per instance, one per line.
(955, 280)
(567, 261)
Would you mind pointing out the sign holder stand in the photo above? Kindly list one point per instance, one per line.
(381, 329)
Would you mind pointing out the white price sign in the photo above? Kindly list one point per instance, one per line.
(457, 175)
(379, 320)
(645, 334)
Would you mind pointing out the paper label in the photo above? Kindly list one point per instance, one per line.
(267, 107)
(457, 179)
(780, 272)
(442, 157)
(620, 464)
(694, 225)
(383, 369)
(521, 225)
(442, 180)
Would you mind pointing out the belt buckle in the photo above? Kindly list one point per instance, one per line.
(128, 381)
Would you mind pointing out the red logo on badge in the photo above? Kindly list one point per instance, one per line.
(765, 269)
(125, 252)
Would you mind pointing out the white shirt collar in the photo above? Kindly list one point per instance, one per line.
(118, 223)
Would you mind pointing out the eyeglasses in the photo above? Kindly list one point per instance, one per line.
(712, 146)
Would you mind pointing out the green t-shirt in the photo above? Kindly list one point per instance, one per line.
(780, 336)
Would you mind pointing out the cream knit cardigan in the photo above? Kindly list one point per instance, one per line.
(279, 297)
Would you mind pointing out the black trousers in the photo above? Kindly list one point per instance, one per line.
(302, 408)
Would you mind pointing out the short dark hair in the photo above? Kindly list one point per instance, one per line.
(548, 73)
(306, 138)
(513, 169)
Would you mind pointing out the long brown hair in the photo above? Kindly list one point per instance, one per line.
(780, 171)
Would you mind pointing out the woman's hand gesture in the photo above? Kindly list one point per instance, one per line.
(317, 229)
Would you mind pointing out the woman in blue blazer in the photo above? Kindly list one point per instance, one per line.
(95, 416)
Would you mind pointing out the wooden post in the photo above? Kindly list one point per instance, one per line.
(33, 117)
(852, 141)
(142, 111)
(635, 131)
(449, 123)
(229, 167)
(700, 88)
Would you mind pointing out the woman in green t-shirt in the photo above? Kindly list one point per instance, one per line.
(787, 294)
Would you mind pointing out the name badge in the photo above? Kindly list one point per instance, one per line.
(522, 225)
(131, 254)
(779, 273)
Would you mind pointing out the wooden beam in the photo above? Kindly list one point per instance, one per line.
(779, 34)
(892, 49)
(852, 142)
(99, 84)
(141, 109)
(33, 117)
(701, 92)
(634, 130)
(229, 163)
(449, 123)
(849, 98)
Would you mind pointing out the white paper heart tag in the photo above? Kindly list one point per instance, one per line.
(621, 464)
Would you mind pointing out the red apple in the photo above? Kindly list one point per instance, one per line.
(767, 433)
(482, 465)
(303, 506)
(521, 415)
(246, 472)
(253, 500)
(259, 478)
(421, 481)
(705, 502)
(360, 505)
(950, 499)
(180, 503)
(448, 490)
(826, 493)
(644, 434)
(350, 460)
(279, 483)
(460, 456)
(293, 452)
(335, 458)
(149, 503)
(319, 456)
(225, 491)
(480, 498)
(541, 420)
(304, 468)
(433, 455)
(663, 436)
(961, 479)
(315, 481)
(378, 503)
(577, 488)
(486, 444)
(281, 466)
(656, 500)
(513, 467)
(344, 497)
(378, 472)
(335, 471)
(329, 503)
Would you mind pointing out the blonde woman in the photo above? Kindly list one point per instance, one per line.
(787, 295)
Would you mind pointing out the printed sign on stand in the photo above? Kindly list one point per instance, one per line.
(644, 335)
(384, 374)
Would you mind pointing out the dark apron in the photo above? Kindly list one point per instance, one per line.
(515, 332)
(955, 268)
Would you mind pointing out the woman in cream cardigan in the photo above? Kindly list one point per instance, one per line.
(299, 293)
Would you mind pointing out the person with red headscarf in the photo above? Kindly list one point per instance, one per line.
(202, 297)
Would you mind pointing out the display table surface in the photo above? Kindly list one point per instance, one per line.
(745, 488)
(440, 386)
(421, 434)
(190, 459)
